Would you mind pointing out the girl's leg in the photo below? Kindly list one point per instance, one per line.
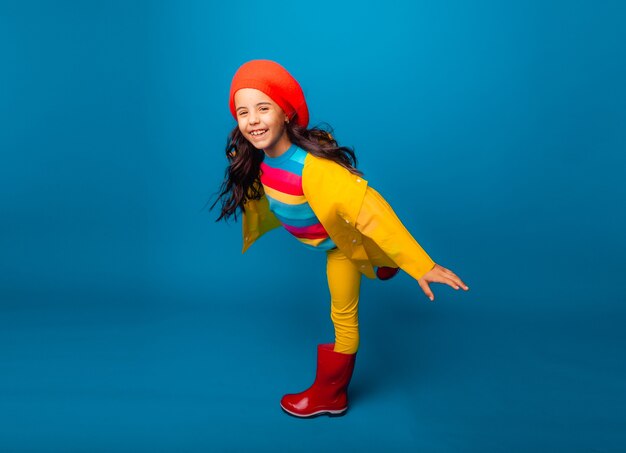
(335, 362)
(344, 282)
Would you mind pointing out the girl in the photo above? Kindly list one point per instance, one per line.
(281, 173)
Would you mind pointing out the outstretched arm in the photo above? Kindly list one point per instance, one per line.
(379, 222)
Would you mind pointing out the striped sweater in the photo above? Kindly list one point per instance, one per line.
(281, 178)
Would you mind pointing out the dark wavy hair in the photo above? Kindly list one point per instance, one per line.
(242, 179)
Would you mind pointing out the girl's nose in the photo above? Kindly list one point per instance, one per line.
(253, 118)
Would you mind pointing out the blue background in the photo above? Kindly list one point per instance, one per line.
(130, 321)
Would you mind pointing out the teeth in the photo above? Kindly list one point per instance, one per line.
(257, 132)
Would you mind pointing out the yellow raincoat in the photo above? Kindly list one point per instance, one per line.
(358, 220)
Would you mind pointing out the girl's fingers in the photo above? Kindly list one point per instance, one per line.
(443, 279)
(450, 282)
(460, 282)
(457, 282)
(424, 285)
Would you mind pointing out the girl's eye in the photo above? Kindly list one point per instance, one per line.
(264, 109)
(242, 113)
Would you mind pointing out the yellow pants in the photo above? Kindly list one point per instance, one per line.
(344, 282)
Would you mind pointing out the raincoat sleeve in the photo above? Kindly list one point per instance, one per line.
(378, 221)
(257, 220)
(349, 208)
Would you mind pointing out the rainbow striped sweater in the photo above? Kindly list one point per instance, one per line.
(281, 178)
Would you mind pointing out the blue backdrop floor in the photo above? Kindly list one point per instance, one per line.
(154, 373)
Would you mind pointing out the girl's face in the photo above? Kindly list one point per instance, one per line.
(261, 121)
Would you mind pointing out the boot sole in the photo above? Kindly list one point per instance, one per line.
(330, 413)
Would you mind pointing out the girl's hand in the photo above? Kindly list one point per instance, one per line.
(440, 274)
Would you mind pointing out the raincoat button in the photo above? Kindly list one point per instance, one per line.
(347, 221)
(354, 241)
(358, 179)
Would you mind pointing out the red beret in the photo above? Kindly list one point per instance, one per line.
(273, 80)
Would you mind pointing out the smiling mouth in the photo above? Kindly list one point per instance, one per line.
(258, 133)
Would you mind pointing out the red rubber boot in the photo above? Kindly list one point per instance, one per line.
(329, 393)
(385, 273)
